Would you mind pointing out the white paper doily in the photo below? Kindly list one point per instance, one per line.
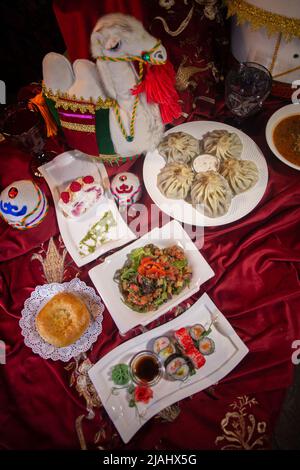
(39, 297)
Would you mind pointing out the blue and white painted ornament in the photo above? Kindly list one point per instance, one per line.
(23, 204)
(126, 188)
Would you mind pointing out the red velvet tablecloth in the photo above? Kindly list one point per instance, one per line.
(46, 404)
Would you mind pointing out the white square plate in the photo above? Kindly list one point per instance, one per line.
(103, 275)
(59, 173)
(229, 351)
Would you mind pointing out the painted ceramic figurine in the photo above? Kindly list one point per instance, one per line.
(126, 188)
(23, 205)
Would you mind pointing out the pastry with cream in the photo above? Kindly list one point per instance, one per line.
(79, 196)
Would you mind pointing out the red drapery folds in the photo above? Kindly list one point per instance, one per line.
(77, 18)
(256, 285)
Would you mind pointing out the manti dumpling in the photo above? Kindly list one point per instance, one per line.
(212, 191)
(179, 147)
(223, 144)
(174, 180)
(240, 174)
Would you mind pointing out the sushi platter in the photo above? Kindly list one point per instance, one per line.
(179, 358)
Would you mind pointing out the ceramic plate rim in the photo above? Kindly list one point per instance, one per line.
(276, 117)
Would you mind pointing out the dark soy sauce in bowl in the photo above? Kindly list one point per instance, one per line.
(146, 368)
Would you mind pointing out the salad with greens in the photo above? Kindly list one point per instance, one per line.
(151, 276)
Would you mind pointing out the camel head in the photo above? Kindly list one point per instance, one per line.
(118, 35)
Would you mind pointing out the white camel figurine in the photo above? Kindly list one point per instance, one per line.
(114, 36)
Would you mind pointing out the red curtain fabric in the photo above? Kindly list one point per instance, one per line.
(194, 34)
(44, 404)
(77, 18)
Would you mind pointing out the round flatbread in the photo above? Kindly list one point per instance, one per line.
(63, 320)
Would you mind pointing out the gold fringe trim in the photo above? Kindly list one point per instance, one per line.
(260, 18)
(74, 126)
(74, 103)
(113, 156)
(75, 106)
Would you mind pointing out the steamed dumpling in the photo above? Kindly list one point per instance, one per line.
(212, 190)
(240, 174)
(223, 144)
(179, 147)
(174, 180)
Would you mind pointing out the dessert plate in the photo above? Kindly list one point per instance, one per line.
(103, 276)
(241, 205)
(59, 173)
(229, 351)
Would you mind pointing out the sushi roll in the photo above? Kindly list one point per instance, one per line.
(177, 368)
(206, 346)
(183, 338)
(167, 351)
(198, 360)
(161, 343)
(197, 331)
(182, 372)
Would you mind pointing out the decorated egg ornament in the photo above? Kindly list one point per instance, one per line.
(23, 205)
(126, 188)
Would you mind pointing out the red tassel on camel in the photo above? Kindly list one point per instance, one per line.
(159, 86)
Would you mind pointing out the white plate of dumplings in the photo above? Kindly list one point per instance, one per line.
(219, 189)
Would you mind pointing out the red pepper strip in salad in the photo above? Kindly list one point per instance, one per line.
(148, 267)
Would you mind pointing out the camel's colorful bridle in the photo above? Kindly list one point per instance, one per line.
(145, 58)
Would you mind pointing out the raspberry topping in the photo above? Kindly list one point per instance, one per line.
(88, 179)
(75, 186)
(65, 197)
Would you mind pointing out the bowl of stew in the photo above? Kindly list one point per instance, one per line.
(283, 135)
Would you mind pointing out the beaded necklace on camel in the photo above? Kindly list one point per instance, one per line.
(145, 58)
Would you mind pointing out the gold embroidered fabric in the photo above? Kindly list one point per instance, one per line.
(52, 261)
(74, 126)
(241, 429)
(260, 18)
(185, 73)
(169, 414)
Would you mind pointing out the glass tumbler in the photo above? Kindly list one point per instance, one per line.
(247, 85)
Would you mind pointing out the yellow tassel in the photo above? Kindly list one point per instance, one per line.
(39, 102)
